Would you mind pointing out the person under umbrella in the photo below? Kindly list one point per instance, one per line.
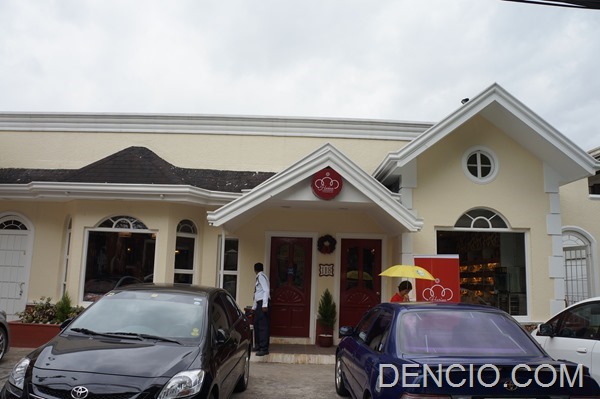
(404, 289)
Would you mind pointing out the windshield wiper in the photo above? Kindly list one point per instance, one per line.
(146, 336)
(130, 335)
(87, 331)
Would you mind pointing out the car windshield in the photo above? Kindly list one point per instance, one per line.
(160, 314)
(462, 333)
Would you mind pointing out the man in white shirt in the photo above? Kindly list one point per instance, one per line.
(262, 310)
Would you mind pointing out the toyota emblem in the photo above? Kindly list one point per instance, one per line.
(79, 392)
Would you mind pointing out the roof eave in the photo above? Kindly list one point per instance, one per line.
(53, 191)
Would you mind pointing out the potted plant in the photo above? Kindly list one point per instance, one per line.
(326, 316)
(40, 322)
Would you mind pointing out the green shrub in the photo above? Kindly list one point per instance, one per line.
(45, 312)
(63, 308)
(327, 312)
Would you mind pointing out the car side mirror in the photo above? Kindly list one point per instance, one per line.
(346, 331)
(545, 330)
(65, 323)
(222, 336)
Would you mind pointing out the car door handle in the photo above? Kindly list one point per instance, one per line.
(581, 350)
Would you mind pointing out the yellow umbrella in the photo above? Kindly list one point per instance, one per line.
(407, 271)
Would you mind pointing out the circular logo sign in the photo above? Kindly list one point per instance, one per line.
(327, 183)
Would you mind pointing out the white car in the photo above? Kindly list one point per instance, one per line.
(574, 334)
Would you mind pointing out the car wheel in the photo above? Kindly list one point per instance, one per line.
(3, 342)
(340, 387)
(242, 383)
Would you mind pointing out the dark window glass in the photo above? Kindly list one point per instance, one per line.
(181, 278)
(479, 165)
(219, 318)
(113, 256)
(232, 309)
(468, 333)
(184, 253)
(379, 331)
(230, 283)
(362, 329)
(580, 322)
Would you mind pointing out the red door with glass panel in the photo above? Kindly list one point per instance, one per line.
(360, 283)
(290, 276)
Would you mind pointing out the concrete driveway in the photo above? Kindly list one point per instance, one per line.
(281, 380)
(267, 380)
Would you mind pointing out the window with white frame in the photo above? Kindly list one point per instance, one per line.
(120, 251)
(229, 270)
(184, 252)
(577, 256)
(480, 164)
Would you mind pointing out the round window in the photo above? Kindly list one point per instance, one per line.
(480, 165)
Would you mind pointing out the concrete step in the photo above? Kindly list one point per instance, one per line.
(297, 354)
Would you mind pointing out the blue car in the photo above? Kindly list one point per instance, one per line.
(446, 350)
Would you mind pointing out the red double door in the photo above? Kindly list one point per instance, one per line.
(290, 278)
(360, 283)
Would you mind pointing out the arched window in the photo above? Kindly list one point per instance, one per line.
(120, 251)
(123, 222)
(481, 219)
(184, 252)
(577, 259)
(11, 224)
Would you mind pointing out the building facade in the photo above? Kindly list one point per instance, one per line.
(91, 201)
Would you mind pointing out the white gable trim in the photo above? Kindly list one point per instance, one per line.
(513, 117)
(325, 156)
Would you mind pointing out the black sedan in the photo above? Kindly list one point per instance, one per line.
(450, 350)
(143, 341)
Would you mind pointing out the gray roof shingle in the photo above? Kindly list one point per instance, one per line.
(139, 165)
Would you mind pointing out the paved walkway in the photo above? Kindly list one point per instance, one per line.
(268, 379)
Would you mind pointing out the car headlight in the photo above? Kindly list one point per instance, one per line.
(183, 384)
(17, 375)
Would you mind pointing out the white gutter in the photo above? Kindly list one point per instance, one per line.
(105, 191)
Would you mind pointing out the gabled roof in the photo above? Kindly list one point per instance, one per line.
(511, 116)
(291, 189)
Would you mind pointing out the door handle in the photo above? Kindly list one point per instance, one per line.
(581, 350)
(21, 289)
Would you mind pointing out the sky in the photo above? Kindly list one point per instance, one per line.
(400, 60)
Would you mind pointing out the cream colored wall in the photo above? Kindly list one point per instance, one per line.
(228, 152)
(444, 193)
(50, 221)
